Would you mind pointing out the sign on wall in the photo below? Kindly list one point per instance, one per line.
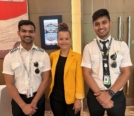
(48, 31)
(11, 12)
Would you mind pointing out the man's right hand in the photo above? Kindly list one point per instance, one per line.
(28, 109)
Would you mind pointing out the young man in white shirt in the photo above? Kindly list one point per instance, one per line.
(106, 67)
(27, 71)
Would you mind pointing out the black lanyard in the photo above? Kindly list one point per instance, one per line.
(105, 64)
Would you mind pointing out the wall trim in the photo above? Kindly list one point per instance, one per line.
(130, 101)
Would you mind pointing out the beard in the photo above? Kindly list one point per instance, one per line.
(27, 41)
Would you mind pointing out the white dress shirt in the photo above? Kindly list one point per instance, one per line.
(92, 58)
(14, 65)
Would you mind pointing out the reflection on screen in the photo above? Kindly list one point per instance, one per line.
(50, 31)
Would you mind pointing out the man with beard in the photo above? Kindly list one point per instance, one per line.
(106, 67)
(27, 71)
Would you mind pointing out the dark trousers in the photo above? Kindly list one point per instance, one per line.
(59, 106)
(62, 109)
(16, 110)
(96, 109)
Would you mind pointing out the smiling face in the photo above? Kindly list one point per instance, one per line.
(64, 40)
(102, 27)
(27, 34)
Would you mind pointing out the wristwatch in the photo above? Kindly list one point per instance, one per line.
(111, 92)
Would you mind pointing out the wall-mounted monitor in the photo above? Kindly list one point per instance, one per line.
(48, 31)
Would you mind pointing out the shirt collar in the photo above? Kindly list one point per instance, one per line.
(33, 47)
(109, 38)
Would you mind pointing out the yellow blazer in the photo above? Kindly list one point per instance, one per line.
(73, 78)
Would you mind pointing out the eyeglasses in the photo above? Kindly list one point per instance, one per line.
(36, 65)
(113, 57)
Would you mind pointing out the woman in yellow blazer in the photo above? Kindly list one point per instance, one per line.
(66, 89)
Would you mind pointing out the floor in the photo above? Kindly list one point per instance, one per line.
(129, 112)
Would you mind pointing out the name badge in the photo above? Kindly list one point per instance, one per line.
(29, 93)
(107, 80)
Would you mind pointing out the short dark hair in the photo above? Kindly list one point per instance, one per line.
(100, 13)
(26, 22)
(63, 27)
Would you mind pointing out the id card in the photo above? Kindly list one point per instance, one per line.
(29, 93)
(107, 80)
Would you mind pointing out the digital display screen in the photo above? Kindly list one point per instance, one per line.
(50, 31)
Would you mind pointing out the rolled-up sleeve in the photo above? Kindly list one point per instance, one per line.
(79, 80)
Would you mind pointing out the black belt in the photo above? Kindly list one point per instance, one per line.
(118, 92)
(24, 95)
(107, 90)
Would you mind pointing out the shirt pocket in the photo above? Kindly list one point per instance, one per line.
(95, 61)
(118, 62)
(16, 68)
(40, 67)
